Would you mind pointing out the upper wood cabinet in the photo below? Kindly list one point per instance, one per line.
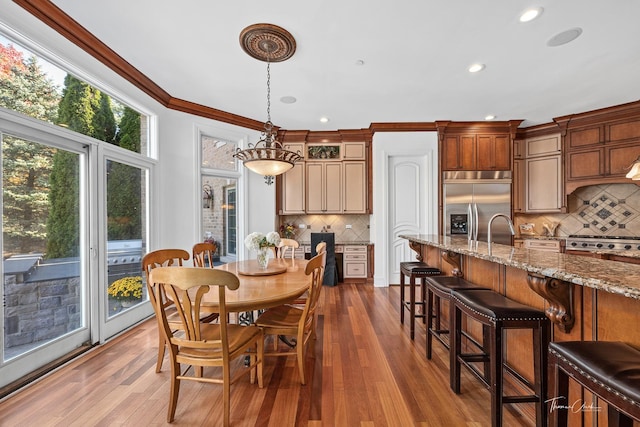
(601, 146)
(355, 187)
(292, 200)
(324, 187)
(334, 178)
(476, 145)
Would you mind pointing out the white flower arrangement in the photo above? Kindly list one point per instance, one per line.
(255, 240)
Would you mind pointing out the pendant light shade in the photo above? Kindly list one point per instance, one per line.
(267, 157)
(634, 173)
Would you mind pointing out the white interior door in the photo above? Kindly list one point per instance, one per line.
(407, 192)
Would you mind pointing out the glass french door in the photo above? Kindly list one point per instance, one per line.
(45, 286)
(125, 299)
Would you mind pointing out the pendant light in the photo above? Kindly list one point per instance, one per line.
(267, 157)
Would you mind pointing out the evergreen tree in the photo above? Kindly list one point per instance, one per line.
(124, 184)
(25, 88)
(76, 111)
(104, 122)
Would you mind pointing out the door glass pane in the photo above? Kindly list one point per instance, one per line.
(219, 215)
(126, 213)
(41, 206)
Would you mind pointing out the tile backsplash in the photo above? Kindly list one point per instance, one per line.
(358, 231)
(599, 210)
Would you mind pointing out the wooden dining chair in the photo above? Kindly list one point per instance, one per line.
(205, 344)
(202, 254)
(287, 245)
(288, 320)
(320, 248)
(163, 258)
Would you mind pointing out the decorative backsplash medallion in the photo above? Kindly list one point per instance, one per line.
(599, 210)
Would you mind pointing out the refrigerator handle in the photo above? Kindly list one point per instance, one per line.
(475, 221)
(470, 225)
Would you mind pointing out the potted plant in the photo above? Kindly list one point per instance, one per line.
(127, 290)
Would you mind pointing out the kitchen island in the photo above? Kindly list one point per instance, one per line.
(585, 298)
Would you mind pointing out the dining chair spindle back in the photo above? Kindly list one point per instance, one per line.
(298, 322)
(205, 344)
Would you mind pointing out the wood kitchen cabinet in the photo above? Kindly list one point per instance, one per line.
(519, 185)
(355, 187)
(355, 261)
(600, 146)
(293, 185)
(476, 152)
(543, 174)
(324, 187)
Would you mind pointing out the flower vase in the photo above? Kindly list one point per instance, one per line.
(263, 257)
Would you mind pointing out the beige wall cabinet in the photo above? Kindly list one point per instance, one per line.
(324, 187)
(543, 174)
(354, 151)
(355, 261)
(519, 185)
(293, 185)
(355, 187)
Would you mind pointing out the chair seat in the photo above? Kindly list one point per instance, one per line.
(283, 316)
(419, 269)
(615, 365)
(238, 336)
(446, 284)
(488, 303)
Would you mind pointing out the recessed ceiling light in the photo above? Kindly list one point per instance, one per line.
(490, 117)
(564, 37)
(476, 67)
(288, 99)
(324, 119)
(531, 14)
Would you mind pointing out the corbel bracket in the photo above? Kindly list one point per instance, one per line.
(559, 294)
(417, 248)
(453, 258)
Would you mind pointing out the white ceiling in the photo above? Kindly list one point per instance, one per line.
(415, 52)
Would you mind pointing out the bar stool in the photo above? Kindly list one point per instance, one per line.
(414, 270)
(439, 288)
(610, 370)
(498, 313)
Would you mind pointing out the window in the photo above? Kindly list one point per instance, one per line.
(219, 188)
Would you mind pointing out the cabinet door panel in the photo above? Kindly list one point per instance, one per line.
(544, 189)
(467, 152)
(314, 187)
(333, 187)
(450, 153)
(293, 190)
(585, 164)
(621, 157)
(355, 188)
(583, 137)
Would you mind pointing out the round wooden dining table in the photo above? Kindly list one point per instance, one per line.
(283, 281)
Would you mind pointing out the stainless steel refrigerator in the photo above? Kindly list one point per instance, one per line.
(471, 198)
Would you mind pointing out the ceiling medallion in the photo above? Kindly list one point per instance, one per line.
(267, 42)
(267, 157)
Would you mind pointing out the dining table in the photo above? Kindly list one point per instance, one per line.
(283, 281)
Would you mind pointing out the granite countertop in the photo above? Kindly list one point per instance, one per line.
(538, 237)
(339, 242)
(610, 276)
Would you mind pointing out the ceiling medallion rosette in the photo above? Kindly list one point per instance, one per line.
(267, 42)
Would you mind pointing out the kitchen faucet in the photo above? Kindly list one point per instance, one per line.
(513, 232)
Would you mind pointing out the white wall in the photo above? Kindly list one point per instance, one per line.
(386, 144)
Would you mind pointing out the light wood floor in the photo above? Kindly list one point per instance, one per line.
(365, 372)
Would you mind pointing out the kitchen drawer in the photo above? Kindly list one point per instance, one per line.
(355, 269)
(355, 257)
(542, 245)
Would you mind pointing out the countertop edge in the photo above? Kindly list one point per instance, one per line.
(570, 268)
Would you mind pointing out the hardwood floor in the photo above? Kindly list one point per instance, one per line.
(365, 372)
